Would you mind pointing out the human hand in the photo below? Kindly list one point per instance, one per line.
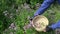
(47, 29)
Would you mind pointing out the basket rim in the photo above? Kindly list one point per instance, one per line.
(35, 18)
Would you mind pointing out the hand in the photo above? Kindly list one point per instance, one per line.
(47, 29)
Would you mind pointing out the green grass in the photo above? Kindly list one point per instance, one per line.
(22, 19)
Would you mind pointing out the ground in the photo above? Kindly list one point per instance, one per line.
(53, 15)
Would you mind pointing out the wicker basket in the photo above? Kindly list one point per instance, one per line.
(40, 22)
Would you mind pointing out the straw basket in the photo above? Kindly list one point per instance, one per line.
(40, 22)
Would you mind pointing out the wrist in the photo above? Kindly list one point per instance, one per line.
(48, 29)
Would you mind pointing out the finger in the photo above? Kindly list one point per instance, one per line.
(44, 30)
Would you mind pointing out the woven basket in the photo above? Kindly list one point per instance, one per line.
(40, 22)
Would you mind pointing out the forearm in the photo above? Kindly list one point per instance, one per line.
(43, 7)
(55, 26)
